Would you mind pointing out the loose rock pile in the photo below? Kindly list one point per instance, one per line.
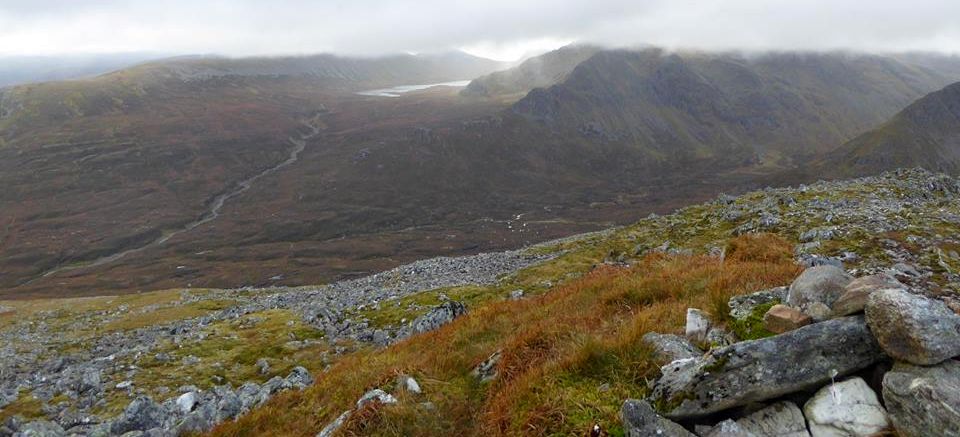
(38, 364)
(819, 360)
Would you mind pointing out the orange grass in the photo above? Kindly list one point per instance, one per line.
(569, 357)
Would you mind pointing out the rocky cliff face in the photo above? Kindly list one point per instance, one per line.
(926, 133)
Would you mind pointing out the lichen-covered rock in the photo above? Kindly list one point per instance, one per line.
(487, 370)
(438, 316)
(758, 370)
(816, 289)
(924, 401)
(782, 419)
(333, 427)
(742, 306)
(40, 428)
(140, 415)
(376, 395)
(913, 328)
(639, 420)
(781, 318)
(854, 298)
(848, 408)
(669, 347)
(300, 378)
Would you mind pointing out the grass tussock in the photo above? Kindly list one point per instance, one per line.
(569, 357)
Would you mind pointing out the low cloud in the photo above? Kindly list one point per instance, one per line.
(496, 28)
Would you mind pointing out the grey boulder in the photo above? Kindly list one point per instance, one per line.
(40, 428)
(848, 408)
(816, 289)
(854, 297)
(140, 415)
(669, 347)
(759, 370)
(924, 401)
(913, 328)
(438, 316)
(782, 419)
(639, 420)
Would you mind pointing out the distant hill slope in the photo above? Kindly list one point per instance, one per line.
(538, 71)
(336, 71)
(15, 70)
(925, 134)
(775, 106)
(353, 184)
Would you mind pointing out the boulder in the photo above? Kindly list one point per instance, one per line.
(300, 378)
(698, 325)
(669, 347)
(854, 298)
(924, 401)
(816, 289)
(407, 383)
(198, 421)
(438, 316)
(782, 419)
(848, 408)
(186, 402)
(727, 428)
(376, 395)
(333, 427)
(781, 318)
(639, 420)
(913, 328)
(758, 370)
(40, 428)
(140, 415)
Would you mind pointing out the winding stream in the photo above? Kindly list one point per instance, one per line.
(212, 212)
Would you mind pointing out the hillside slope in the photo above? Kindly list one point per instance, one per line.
(560, 326)
(539, 71)
(925, 134)
(774, 108)
(172, 175)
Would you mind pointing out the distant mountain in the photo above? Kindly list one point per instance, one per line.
(538, 71)
(334, 71)
(223, 172)
(780, 108)
(15, 70)
(925, 134)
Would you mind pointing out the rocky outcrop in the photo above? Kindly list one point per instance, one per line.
(438, 316)
(924, 401)
(816, 289)
(758, 370)
(848, 408)
(913, 328)
(640, 420)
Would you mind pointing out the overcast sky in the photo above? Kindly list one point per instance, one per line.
(501, 29)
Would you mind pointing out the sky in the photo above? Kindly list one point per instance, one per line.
(500, 29)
